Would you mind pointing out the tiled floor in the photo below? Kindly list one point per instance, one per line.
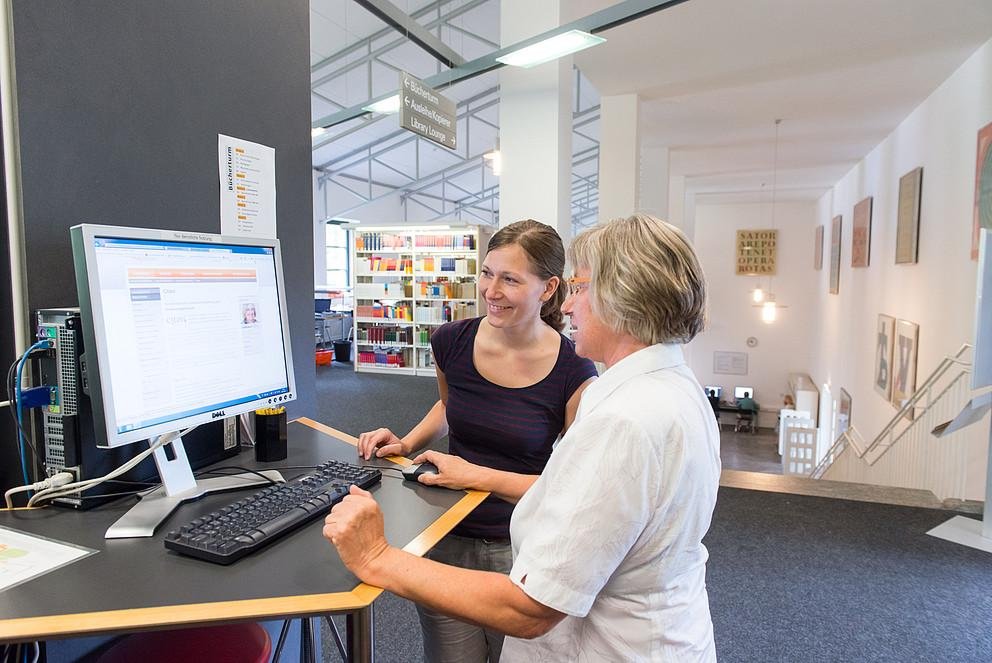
(749, 452)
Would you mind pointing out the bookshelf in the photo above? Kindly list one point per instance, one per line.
(406, 283)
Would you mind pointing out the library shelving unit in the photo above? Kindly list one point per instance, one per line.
(407, 282)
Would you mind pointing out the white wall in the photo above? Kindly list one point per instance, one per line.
(938, 293)
(784, 346)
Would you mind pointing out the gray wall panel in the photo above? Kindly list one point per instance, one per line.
(120, 104)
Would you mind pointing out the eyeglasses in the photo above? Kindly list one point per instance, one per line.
(576, 284)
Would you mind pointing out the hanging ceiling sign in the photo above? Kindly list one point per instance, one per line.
(425, 112)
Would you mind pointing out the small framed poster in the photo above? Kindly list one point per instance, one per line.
(835, 231)
(907, 339)
(818, 249)
(908, 218)
(983, 187)
(884, 331)
(861, 234)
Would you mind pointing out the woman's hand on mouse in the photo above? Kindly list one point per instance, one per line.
(381, 442)
(452, 471)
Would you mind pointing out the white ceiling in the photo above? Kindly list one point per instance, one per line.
(713, 75)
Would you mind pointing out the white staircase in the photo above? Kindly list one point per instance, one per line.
(906, 453)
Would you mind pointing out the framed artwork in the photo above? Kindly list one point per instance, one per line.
(884, 342)
(818, 249)
(843, 413)
(756, 252)
(835, 255)
(861, 234)
(904, 366)
(983, 187)
(908, 218)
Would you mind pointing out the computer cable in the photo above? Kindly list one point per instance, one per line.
(13, 405)
(244, 470)
(52, 482)
(18, 378)
(80, 486)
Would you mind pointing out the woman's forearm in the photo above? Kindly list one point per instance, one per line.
(483, 598)
(431, 428)
(508, 486)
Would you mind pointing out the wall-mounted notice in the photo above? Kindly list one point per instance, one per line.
(730, 363)
(756, 251)
(247, 187)
(426, 112)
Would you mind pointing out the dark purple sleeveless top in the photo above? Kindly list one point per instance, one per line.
(505, 428)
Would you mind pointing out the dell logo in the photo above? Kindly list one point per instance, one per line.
(217, 415)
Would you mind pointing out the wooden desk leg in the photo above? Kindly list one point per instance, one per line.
(361, 641)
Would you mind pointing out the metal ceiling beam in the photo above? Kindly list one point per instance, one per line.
(611, 17)
(404, 24)
(432, 8)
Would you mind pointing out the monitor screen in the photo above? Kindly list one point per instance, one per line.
(743, 392)
(185, 328)
(712, 391)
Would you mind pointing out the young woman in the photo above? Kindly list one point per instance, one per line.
(510, 385)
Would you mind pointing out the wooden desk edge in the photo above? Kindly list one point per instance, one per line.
(33, 628)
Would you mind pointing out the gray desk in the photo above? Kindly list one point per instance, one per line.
(136, 584)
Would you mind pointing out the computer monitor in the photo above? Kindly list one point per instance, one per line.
(179, 328)
(712, 391)
(743, 392)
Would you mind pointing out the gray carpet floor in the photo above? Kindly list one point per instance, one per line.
(790, 578)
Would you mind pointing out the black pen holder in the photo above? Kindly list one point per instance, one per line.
(270, 435)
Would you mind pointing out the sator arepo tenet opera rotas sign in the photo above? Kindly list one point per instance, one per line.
(425, 112)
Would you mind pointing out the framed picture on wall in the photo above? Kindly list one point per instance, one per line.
(818, 249)
(908, 217)
(835, 255)
(884, 342)
(983, 187)
(904, 366)
(843, 413)
(861, 234)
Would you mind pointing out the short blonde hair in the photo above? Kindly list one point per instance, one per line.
(645, 278)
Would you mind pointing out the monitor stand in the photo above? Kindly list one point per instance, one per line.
(178, 486)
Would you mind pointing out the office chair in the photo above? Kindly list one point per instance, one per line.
(746, 422)
(228, 643)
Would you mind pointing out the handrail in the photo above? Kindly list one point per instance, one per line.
(922, 391)
(852, 437)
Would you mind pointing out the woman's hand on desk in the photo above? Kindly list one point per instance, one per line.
(355, 527)
(452, 471)
(381, 442)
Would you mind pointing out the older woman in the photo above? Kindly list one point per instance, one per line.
(607, 543)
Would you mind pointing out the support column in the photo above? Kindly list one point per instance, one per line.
(619, 156)
(535, 120)
(654, 182)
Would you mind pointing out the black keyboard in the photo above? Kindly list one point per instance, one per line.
(242, 527)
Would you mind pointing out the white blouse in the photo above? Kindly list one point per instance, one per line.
(611, 532)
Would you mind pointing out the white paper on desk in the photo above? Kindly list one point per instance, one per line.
(26, 556)
(247, 187)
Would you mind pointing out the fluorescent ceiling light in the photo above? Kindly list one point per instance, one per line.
(317, 131)
(385, 106)
(551, 49)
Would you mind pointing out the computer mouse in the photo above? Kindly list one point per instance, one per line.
(411, 472)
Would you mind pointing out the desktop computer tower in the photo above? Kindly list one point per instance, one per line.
(67, 427)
